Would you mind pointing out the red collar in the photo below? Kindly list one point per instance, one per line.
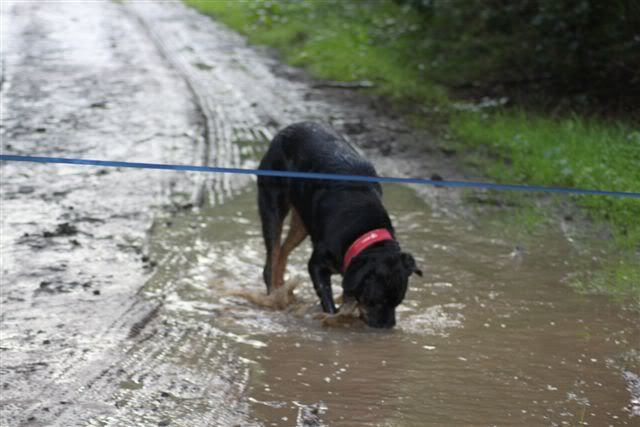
(363, 242)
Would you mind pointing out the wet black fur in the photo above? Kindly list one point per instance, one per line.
(334, 213)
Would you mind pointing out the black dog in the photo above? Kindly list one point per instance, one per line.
(349, 227)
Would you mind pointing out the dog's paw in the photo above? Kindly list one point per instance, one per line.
(283, 296)
(347, 315)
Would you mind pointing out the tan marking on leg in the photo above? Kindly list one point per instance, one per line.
(295, 236)
(275, 257)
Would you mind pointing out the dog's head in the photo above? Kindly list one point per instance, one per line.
(378, 280)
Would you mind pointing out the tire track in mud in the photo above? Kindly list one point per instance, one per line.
(246, 91)
(227, 115)
(159, 385)
(48, 382)
(150, 358)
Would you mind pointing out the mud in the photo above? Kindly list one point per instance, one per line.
(120, 287)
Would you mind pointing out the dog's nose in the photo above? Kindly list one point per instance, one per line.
(383, 325)
(390, 324)
(386, 322)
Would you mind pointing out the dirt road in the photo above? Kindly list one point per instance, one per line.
(112, 299)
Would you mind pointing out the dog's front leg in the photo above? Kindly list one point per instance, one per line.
(321, 278)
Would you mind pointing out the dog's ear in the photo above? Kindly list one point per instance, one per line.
(355, 274)
(410, 264)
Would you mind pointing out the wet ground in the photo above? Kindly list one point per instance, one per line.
(117, 285)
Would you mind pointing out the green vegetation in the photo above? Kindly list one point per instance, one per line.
(569, 152)
(582, 53)
(426, 55)
(620, 280)
(340, 40)
(582, 50)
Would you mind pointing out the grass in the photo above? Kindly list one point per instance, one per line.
(570, 152)
(388, 44)
(620, 280)
(334, 40)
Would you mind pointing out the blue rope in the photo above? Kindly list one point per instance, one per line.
(315, 175)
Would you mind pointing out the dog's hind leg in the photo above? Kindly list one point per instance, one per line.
(295, 236)
(273, 205)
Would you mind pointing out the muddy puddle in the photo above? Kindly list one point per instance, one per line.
(491, 335)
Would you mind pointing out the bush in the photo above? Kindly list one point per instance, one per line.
(588, 48)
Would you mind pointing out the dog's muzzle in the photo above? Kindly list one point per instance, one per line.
(381, 318)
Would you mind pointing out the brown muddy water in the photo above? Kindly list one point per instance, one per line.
(491, 335)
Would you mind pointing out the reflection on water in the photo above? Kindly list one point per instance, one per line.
(490, 334)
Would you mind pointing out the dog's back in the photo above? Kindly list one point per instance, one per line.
(311, 147)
